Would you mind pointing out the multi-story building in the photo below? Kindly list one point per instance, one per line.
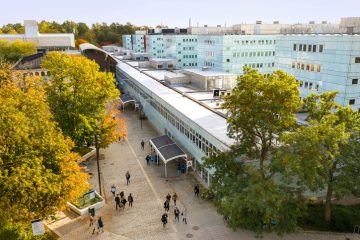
(323, 63)
(135, 42)
(231, 53)
(155, 45)
(127, 42)
(182, 48)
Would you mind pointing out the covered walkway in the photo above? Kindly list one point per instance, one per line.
(167, 149)
(126, 99)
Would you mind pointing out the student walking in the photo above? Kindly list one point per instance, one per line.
(177, 213)
(91, 220)
(175, 198)
(164, 219)
(197, 190)
(142, 144)
(113, 189)
(100, 225)
(117, 202)
(147, 159)
(127, 175)
(123, 201)
(184, 214)
(168, 197)
(166, 206)
(130, 200)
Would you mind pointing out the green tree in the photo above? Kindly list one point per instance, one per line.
(323, 154)
(38, 173)
(260, 109)
(78, 94)
(13, 51)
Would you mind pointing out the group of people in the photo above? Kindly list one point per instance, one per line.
(120, 200)
(99, 224)
(164, 217)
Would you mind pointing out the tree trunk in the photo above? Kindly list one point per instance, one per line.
(328, 202)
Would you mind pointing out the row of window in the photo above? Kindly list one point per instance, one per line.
(253, 42)
(188, 48)
(203, 144)
(189, 40)
(308, 85)
(306, 66)
(209, 53)
(190, 56)
(308, 47)
(190, 65)
(254, 54)
(209, 64)
(209, 42)
(260, 65)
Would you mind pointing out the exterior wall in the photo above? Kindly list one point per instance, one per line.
(155, 46)
(183, 48)
(138, 43)
(231, 53)
(331, 69)
(192, 138)
(126, 42)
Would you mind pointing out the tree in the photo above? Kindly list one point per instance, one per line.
(78, 42)
(78, 95)
(13, 51)
(323, 155)
(38, 173)
(260, 109)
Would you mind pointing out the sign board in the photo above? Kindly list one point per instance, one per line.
(37, 227)
(89, 195)
(92, 195)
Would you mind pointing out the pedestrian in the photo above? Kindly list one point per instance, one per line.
(168, 197)
(122, 194)
(100, 225)
(184, 214)
(197, 190)
(127, 175)
(142, 144)
(175, 198)
(91, 220)
(123, 201)
(166, 206)
(177, 213)
(113, 189)
(164, 219)
(130, 200)
(117, 202)
(147, 159)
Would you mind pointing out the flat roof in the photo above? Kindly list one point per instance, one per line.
(206, 119)
(208, 73)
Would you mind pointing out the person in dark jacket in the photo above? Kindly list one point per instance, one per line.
(130, 200)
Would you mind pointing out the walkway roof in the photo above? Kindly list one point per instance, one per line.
(126, 98)
(167, 148)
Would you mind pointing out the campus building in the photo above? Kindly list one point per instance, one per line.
(48, 41)
(182, 48)
(323, 63)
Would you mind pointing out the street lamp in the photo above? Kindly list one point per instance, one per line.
(97, 161)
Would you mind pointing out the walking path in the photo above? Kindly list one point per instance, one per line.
(149, 188)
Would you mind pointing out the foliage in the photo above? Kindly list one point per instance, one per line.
(38, 173)
(83, 203)
(78, 96)
(13, 51)
(78, 42)
(344, 218)
(5, 71)
(323, 155)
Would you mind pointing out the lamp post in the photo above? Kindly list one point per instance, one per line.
(97, 161)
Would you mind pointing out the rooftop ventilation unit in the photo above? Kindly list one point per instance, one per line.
(258, 22)
(312, 22)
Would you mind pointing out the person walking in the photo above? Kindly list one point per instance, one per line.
(127, 176)
(164, 219)
(166, 206)
(147, 159)
(123, 201)
(168, 197)
(142, 144)
(175, 198)
(113, 189)
(184, 214)
(177, 213)
(197, 190)
(117, 202)
(91, 220)
(130, 200)
(100, 225)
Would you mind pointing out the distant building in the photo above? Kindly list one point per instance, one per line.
(49, 41)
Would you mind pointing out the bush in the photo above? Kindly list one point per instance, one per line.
(207, 194)
(343, 218)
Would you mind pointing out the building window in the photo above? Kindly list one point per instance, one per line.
(228, 60)
(357, 60)
(292, 65)
(321, 48)
(318, 68)
(304, 48)
(294, 47)
(302, 66)
(351, 101)
(309, 48)
(355, 81)
(307, 67)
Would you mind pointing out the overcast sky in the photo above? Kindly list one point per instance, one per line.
(177, 12)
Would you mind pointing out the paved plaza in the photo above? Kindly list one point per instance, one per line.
(149, 188)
